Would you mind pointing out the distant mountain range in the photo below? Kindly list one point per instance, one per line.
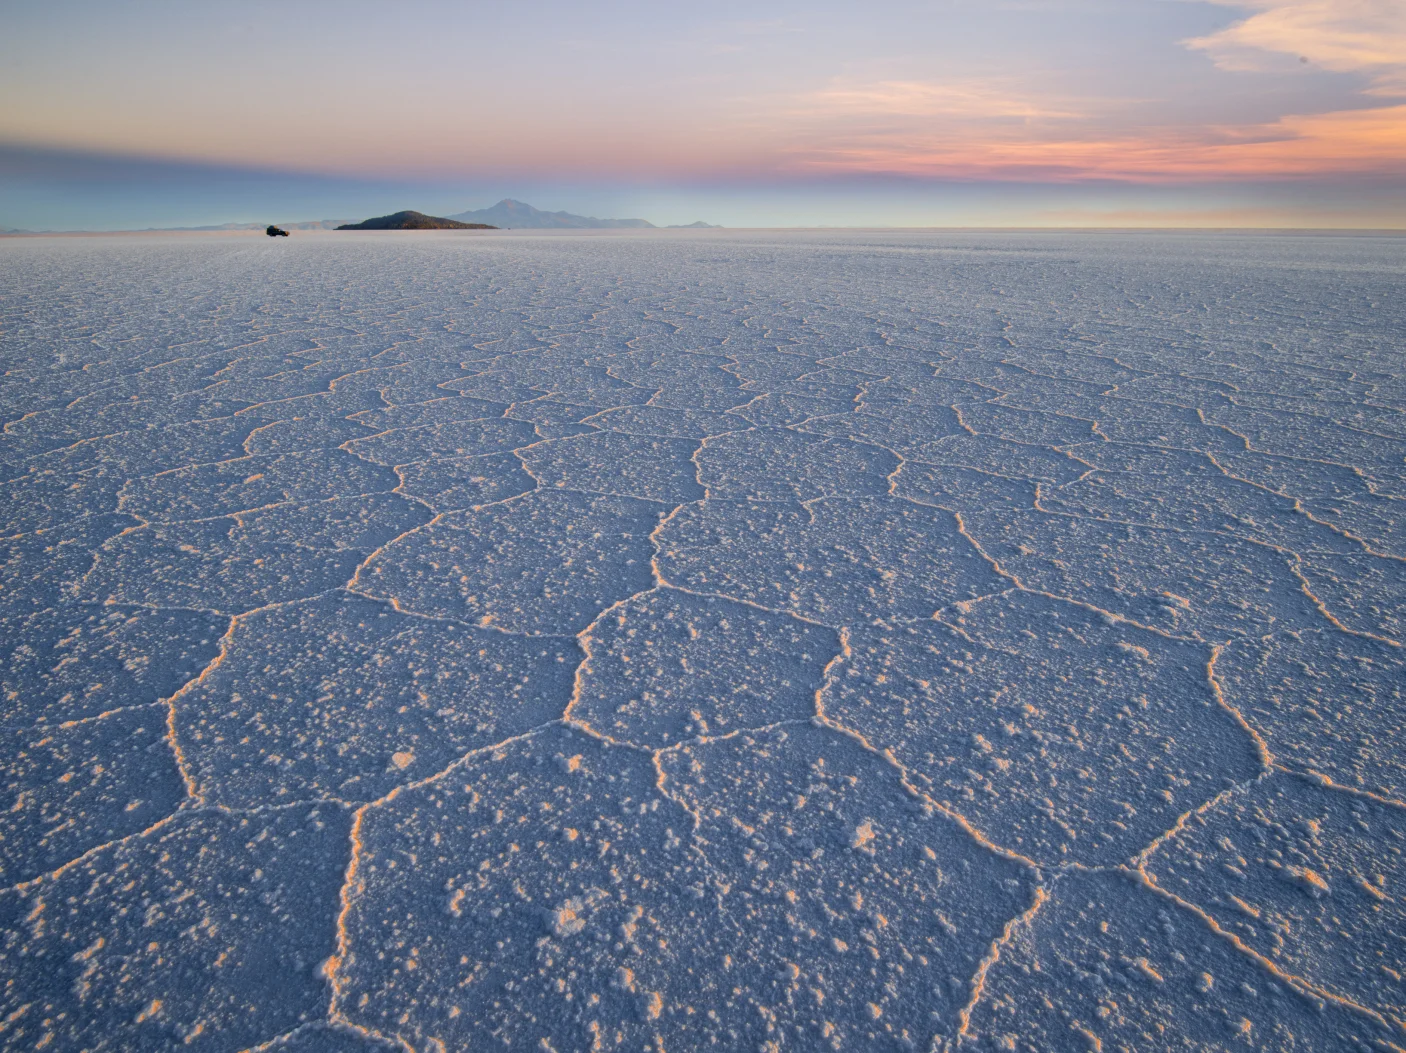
(508, 213)
(519, 214)
(412, 220)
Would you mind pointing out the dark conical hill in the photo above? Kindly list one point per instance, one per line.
(410, 220)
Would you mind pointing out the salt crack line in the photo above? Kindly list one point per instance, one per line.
(1264, 754)
(1327, 783)
(53, 875)
(350, 890)
(1309, 991)
(1332, 619)
(992, 956)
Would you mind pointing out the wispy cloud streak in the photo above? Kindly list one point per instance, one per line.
(1368, 142)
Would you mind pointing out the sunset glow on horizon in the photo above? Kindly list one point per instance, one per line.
(613, 98)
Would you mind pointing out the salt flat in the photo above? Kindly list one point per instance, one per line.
(723, 640)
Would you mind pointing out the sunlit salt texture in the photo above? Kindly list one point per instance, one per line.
(735, 641)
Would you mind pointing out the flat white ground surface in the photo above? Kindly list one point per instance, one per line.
(722, 640)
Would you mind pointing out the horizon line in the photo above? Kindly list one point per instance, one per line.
(646, 231)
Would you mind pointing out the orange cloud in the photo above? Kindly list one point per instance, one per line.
(1347, 36)
(1350, 142)
(1005, 128)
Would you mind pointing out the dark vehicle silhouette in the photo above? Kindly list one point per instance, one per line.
(276, 232)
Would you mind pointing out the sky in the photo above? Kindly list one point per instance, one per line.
(135, 113)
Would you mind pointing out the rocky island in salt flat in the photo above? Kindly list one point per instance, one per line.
(411, 220)
(837, 641)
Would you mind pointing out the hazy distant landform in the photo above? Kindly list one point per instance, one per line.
(411, 220)
(509, 213)
(516, 214)
(838, 641)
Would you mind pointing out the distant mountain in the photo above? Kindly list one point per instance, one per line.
(510, 213)
(411, 220)
(695, 225)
